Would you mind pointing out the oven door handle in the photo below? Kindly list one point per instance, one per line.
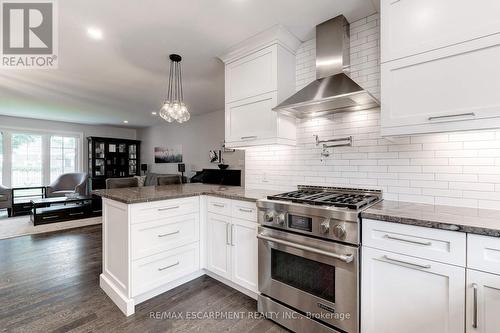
(347, 258)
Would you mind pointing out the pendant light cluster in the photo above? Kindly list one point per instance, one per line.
(173, 107)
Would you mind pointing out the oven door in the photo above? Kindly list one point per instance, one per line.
(318, 278)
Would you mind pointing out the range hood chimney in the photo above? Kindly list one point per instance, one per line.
(332, 91)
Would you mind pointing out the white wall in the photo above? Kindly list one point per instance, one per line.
(13, 123)
(197, 136)
(460, 169)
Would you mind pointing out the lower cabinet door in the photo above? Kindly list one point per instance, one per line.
(244, 254)
(405, 294)
(483, 302)
(218, 244)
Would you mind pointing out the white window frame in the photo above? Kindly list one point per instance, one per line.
(46, 134)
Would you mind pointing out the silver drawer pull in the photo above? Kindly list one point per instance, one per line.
(219, 205)
(74, 214)
(169, 234)
(408, 240)
(249, 137)
(167, 208)
(245, 210)
(347, 258)
(97, 211)
(50, 217)
(169, 266)
(468, 114)
(397, 261)
(474, 315)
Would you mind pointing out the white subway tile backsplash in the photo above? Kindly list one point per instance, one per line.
(460, 169)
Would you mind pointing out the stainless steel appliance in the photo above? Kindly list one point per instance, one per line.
(332, 91)
(309, 257)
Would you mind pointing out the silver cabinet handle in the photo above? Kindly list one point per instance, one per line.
(245, 210)
(474, 315)
(169, 266)
(397, 261)
(471, 114)
(167, 208)
(169, 234)
(347, 258)
(50, 217)
(218, 205)
(408, 240)
(249, 137)
(232, 243)
(227, 237)
(74, 214)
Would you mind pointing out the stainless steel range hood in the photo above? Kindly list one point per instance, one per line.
(332, 91)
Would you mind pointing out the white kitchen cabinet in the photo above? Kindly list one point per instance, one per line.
(218, 244)
(410, 27)
(259, 74)
(232, 245)
(244, 254)
(439, 69)
(406, 294)
(483, 302)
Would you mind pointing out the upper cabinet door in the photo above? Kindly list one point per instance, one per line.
(483, 302)
(252, 75)
(450, 89)
(410, 27)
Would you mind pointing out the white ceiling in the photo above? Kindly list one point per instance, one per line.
(124, 76)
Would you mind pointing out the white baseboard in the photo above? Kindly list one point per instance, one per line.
(125, 304)
(233, 285)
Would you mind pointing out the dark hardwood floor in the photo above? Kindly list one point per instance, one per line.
(50, 283)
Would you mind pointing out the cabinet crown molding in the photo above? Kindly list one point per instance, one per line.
(277, 34)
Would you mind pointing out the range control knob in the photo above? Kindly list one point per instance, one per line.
(324, 227)
(280, 219)
(269, 216)
(339, 231)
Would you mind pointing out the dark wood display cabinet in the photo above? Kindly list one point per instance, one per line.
(112, 158)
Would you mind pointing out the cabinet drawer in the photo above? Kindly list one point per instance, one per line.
(409, 27)
(440, 245)
(483, 253)
(151, 211)
(165, 267)
(244, 210)
(153, 237)
(220, 206)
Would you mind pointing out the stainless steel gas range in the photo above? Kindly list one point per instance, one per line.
(309, 257)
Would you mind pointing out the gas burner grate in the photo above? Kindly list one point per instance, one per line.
(326, 198)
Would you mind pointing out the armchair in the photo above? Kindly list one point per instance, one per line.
(68, 183)
(6, 199)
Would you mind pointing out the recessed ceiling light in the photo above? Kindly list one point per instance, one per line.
(125, 121)
(95, 33)
(153, 113)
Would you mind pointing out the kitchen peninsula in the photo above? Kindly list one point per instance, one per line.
(158, 237)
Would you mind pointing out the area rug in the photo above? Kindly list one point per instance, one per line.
(21, 226)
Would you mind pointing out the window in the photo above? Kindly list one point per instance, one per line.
(26, 160)
(35, 158)
(63, 156)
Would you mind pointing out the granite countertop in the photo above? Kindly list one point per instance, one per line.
(154, 193)
(471, 220)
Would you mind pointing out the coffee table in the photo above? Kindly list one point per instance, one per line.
(59, 209)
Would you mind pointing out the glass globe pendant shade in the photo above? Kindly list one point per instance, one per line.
(164, 112)
(174, 107)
